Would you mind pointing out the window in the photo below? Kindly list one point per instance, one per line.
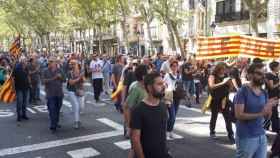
(220, 8)
(191, 4)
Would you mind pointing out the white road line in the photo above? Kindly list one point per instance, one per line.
(111, 123)
(68, 141)
(87, 84)
(125, 145)
(30, 110)
(83, 153)
(194, 109)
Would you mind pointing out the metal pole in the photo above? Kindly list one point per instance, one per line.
(206, 18)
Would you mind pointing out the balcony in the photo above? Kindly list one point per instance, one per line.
(235, 16)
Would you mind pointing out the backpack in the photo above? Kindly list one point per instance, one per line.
(179, 92)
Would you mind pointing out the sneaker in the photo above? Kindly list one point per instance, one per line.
(231, 139)
(213, 136)
(168, 135)
(76, 125)
(171, 135)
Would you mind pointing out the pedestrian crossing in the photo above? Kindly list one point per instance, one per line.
(86, 152)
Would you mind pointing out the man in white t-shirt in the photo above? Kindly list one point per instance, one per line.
(97, 76)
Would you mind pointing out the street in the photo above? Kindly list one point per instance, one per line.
(101, 135)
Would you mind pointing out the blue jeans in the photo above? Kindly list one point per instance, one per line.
(189, 87)
(22, 101)
(251, 147)
(54, 105)
(172, 112)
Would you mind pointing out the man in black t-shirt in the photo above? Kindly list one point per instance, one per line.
(149, 120)
(188, 72)
(22, 86)
(272, 84)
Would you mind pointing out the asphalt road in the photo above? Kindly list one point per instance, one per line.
(101, 134)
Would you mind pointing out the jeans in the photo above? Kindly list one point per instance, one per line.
(97, 87)
(172, 112)
(54, 105)
(35, 92)
(251, 147)
(77, 105)
(22, 98)
(189, 87)
(106, 83)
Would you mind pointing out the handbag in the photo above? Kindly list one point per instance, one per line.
(79, 92)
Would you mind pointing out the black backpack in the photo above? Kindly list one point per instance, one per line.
(179, 92)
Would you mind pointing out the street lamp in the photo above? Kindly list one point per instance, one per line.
(138, 42)
(213, 26)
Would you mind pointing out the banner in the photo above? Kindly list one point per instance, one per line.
(237, 46)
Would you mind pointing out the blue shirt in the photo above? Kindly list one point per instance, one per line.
(252, 104)
(158, 63)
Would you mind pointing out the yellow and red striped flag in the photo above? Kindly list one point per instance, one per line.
(234, 46)
(15, 49)
(7, 92)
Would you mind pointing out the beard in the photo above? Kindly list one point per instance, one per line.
(157, 94)
(258, 82)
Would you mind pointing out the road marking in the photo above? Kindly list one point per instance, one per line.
(194, 109)
(125, 145)
(68, 141)
(83, 153)
(30, 110)
(111, 123)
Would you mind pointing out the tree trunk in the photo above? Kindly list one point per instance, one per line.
(48, 42)
(171, 36)
(179, 42)
(254, 23)
(125, 39)
(150, 38)
(100, 40)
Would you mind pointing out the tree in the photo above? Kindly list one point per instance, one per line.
(256, 9)
(147, 13)
(173, 15)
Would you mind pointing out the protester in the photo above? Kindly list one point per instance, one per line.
(53, 80)
(34, 72)
(170, 80)
(251, 107)
(76, 90)
(97, 77)
(117, 70)
(273, 87)
(149, 121)
(22, 87)
(219, 90)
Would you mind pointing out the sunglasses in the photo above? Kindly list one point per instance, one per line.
(259, 73)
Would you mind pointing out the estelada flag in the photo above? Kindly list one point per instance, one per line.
(237, 46)
(15, 49)
(7, 92)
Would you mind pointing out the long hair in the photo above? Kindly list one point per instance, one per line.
(220, 66)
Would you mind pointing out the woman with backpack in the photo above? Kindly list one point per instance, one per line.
(171, 100)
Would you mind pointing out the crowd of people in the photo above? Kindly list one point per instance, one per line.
(152, 89)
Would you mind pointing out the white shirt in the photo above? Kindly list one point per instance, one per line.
(96, 67)
(165, 67)
(171, 84)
